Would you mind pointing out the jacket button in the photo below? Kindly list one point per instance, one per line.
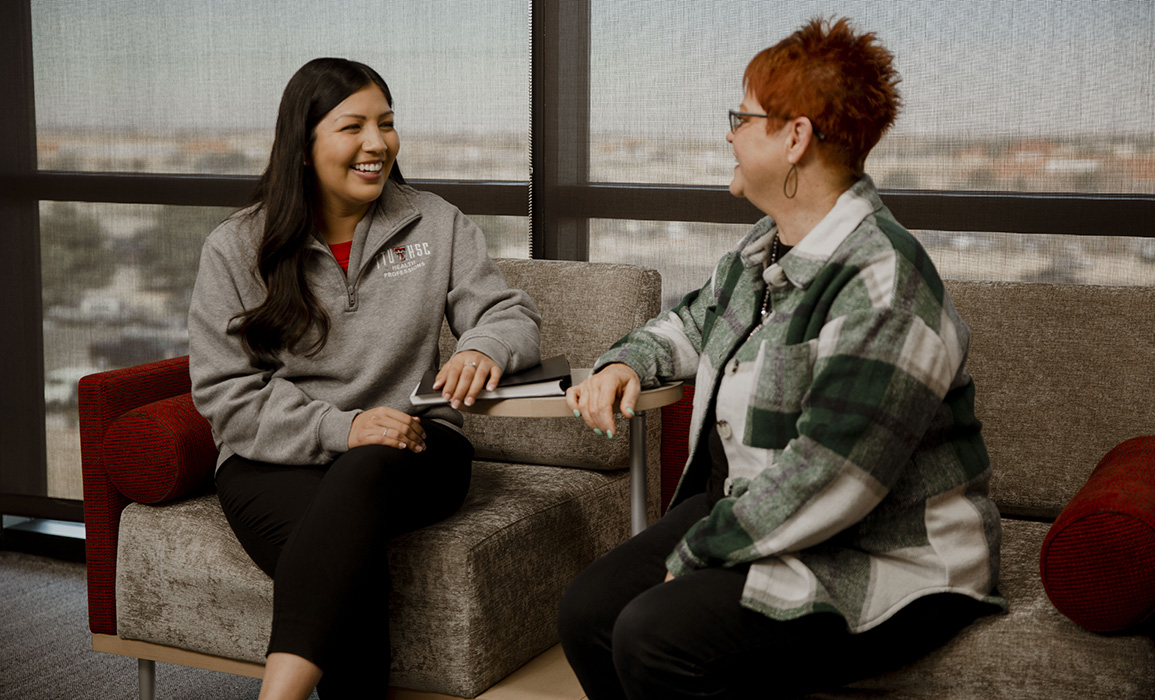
(724, 430)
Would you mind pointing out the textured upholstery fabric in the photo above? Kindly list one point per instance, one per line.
(103, 398)
(1098, 560)
(172, 438)
(582, 334)
(1063, 373)
(1031, 653)
(460, 624)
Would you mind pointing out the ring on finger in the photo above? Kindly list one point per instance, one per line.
(470, 364)
(386, 433)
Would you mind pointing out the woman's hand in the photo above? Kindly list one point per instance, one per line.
(465, 375)
(389, 427)
(593, 399)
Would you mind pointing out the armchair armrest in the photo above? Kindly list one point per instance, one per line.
(103, 399)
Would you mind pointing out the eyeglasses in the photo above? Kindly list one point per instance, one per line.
(737, 119)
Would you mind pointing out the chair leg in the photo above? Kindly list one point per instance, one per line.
(146, 674)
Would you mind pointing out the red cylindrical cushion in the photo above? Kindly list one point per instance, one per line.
(161, 451)
(1098, 560)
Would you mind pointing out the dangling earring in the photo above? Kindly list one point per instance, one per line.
(786, 183)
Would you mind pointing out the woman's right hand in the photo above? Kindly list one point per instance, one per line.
(389, 427)
(593, 400)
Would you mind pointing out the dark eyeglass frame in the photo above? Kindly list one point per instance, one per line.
(737, 121)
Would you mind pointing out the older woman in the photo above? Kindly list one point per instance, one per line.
(833, 519)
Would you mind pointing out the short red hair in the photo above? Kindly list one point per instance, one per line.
(845, 83)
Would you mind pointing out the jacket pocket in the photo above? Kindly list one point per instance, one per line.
(782, 382)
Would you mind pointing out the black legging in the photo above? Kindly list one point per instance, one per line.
(321, 533)
(628, 635)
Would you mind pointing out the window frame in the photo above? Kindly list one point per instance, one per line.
(558, 198)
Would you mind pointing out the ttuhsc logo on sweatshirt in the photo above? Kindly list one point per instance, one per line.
(403, 259)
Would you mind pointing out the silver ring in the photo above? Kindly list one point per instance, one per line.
(386, 433)
(470, 364)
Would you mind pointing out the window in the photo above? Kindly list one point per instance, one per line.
(591, 129)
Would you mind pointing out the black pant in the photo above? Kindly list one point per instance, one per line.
(628, 635)
(322, 532)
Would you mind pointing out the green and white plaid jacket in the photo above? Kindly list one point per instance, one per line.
(858, 474)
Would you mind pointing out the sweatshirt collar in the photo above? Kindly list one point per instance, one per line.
(393, 211)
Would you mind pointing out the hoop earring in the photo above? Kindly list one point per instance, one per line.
(790, 194)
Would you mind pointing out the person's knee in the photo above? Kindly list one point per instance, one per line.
(579, 613)
(364, 468)
(636, 634)
(653, 650)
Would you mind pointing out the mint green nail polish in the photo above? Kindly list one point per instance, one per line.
(577, 413)
(597, 431)
(630, 412)
(610, 434)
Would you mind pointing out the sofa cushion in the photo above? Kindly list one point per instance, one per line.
(1032, 651)
(474, 596)
(1063, 373)
(572, 329)
(171, 438)
(1098, 560)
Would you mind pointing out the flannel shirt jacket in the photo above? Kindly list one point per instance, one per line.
(858, 474)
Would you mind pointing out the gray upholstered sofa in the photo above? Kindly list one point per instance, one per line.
(474, 597)
(1063, 374)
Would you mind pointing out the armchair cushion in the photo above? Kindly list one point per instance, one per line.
(160, 451)
(1098, 560)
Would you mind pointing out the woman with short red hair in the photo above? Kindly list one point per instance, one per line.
(833, 520)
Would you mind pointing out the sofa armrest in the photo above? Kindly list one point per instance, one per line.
(103, 398)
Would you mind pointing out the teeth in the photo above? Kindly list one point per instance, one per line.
(368, 167)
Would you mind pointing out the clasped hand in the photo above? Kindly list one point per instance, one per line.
(461, 379)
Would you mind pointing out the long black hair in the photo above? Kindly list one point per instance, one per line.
(287, 195)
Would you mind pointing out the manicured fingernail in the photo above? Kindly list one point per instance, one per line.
(468, 400)
(597, 431)
(630, 412)
(455, 403)
(610, 434)
(490, 387)
(447, 396)
(577, 413)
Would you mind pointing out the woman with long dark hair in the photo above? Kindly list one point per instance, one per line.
(315, 312)
(833, 520)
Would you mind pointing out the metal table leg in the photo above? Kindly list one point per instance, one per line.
(638, 519)
(146, 676)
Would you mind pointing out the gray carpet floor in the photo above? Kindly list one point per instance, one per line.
(46, 651)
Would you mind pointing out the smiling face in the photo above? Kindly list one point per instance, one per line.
(354, 148)
(760, 155)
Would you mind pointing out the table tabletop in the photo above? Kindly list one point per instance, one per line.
(555, 406)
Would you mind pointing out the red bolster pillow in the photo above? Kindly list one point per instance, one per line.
(160, 451)
(1098, 560)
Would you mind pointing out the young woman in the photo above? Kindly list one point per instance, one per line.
(833, 520)
(314, 315)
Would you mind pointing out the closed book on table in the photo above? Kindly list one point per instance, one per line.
(550, 377)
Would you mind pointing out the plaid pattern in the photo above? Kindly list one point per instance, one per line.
(858, 474)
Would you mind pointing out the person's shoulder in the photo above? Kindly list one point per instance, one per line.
(239, 233)
(424, 201)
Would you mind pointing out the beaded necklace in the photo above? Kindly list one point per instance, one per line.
(766, 295)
